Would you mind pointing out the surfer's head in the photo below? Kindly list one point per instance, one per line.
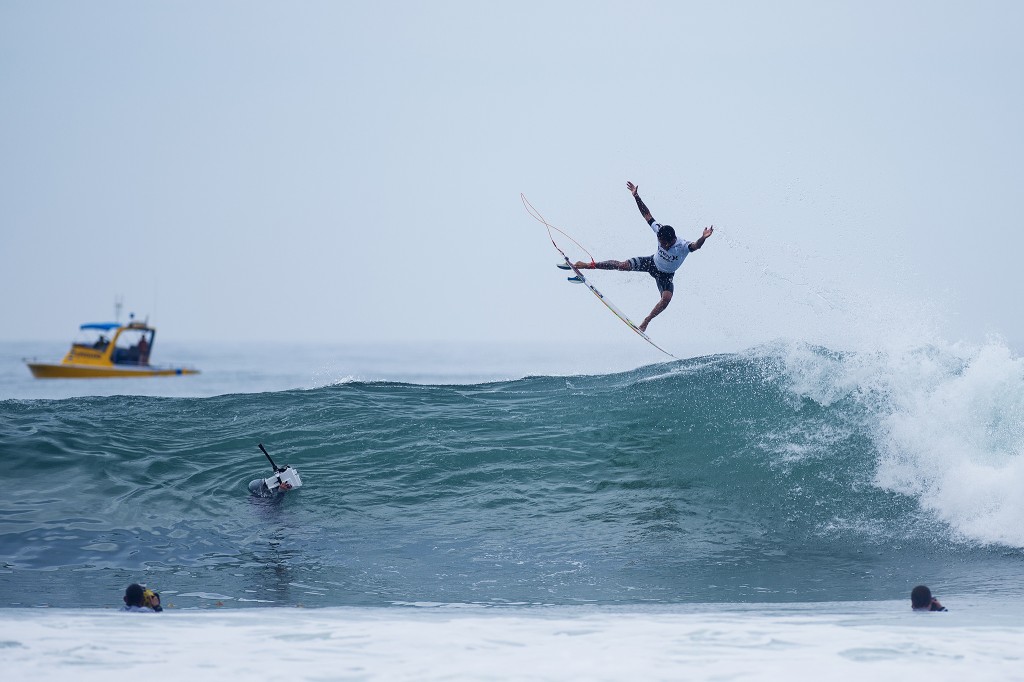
(666, 235)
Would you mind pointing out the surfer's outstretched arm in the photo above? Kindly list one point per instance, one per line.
(708, 231)
(644, 211)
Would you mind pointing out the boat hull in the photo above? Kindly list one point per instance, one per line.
(73, 371)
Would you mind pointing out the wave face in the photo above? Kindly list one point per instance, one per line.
(786, 473)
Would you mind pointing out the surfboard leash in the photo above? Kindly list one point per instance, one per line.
(539, 218)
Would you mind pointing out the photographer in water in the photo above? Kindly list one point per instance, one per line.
(921, 599)
(135, 600)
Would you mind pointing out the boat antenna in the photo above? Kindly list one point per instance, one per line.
(270, 460)
(118, 304)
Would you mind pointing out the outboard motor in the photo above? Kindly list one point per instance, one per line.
(285, 478)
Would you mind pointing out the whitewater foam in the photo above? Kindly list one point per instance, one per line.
(878, 641)
(956, 441)
(947, 421)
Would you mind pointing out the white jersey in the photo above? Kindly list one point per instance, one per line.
(669, 260)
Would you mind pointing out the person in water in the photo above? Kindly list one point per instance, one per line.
(663, 264)
(921, 599)
(135, 599)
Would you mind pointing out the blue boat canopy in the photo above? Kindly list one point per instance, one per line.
(103, 326)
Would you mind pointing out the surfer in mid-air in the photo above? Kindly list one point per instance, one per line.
(662, 265)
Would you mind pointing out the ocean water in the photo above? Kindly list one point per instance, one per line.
(501, 497)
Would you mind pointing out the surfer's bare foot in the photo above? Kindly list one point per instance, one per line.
(580, 265)
(643, 326)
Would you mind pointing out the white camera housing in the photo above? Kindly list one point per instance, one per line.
(285, 479)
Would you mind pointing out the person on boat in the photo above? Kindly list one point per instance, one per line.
(662, 265)
(143, 350)
(135, 599)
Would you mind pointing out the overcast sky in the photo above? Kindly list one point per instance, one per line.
(342, 171)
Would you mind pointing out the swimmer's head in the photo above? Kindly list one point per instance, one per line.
(920, 597)
(134, 595)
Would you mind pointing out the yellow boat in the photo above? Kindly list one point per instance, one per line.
(115, 350)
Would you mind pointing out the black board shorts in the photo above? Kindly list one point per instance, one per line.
(646, 264)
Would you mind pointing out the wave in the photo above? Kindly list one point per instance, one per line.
(788, 469)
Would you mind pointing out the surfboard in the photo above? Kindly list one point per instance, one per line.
(582, 278)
